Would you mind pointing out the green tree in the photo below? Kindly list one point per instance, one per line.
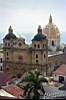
(34, 88)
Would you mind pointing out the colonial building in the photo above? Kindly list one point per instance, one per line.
(43, 54)
(60, 74)
(18, 57)
(53, 34)
(1, 61)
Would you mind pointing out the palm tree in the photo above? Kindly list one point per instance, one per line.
(33, 87)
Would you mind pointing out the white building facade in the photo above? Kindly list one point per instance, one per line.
(60, 74)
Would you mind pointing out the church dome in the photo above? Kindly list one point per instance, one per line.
(10, 34)
(51, 30)
(39, 36)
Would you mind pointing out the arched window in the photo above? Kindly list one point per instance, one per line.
(38, 46)
(8, 44)
(1, 68)
(7, 53)
(44, 55)
(7, 58)
(35, 45)
(7, 68)
(52, 43)
(36, 55)
(14, 44)
(20, 44)
(1, 60)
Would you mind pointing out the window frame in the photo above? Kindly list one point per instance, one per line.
(34, 45)
(53, 44)
(38, 45)
(36, 55)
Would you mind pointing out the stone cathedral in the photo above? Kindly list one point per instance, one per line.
(20, 57)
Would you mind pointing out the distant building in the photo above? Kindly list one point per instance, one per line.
(60, 74)
(53, 34)
(1, 60)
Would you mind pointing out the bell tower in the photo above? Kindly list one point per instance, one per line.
(40, 51)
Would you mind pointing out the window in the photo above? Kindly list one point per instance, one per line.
(1, 60)
(36, 61)
(44, 55)
(38, 46)
(61, 79)
(14, 43)
(7, 53)
(35, 45)
(8, 44)
(52, 43)
(1, 68)
(7, 58)
(36, 55)
(20, 44)
(7, 68)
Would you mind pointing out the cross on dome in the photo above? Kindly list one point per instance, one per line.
(39, 29)
(10, 30)
(50, 19)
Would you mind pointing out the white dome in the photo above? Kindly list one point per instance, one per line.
(51, 30)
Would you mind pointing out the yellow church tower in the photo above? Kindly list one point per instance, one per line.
(8, 41)
(40, 50)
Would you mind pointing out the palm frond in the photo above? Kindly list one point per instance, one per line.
(34, 81)
(28, 77)
(36, 94)
(30, 90)
(26, 88)
(42, 89)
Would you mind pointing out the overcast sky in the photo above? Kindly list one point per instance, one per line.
(26, 15)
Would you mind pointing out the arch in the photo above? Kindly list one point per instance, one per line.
(38, 46)
(53, 43)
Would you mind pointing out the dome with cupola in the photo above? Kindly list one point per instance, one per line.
(51, 30)
(53, 35)
(39, 36)
(10, 34)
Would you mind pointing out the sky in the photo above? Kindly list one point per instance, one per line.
(26, 15)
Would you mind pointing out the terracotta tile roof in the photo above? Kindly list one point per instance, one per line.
(61, 70)
(4, 78)
(5, 93)
(14, 90)
(5, 97)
